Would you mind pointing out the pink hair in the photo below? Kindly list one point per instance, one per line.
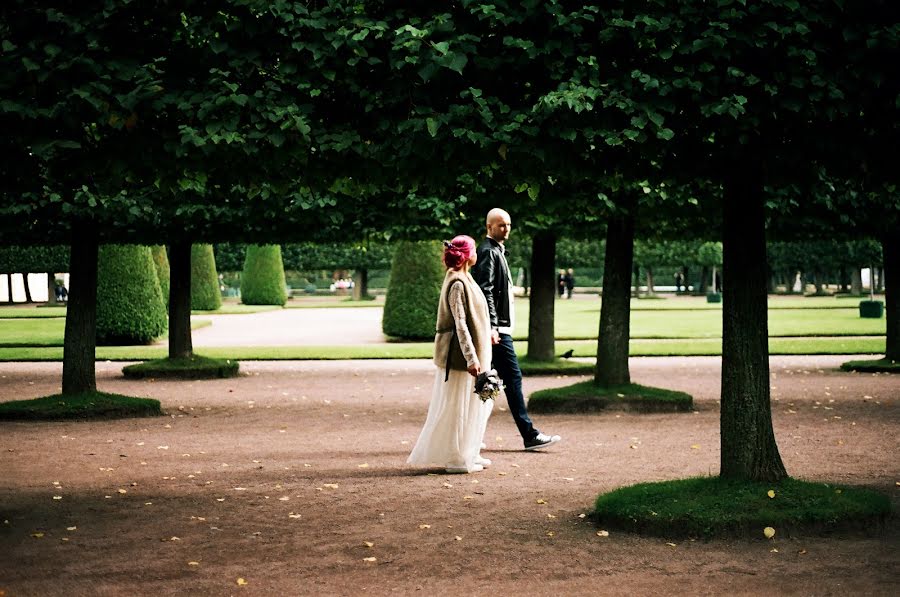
(458, 251)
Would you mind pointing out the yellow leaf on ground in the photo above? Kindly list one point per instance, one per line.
(541, 501)
(672, 544)
(695, 446)
(370, 559)
(424, 526)
(292, 515)
(37, 535)
(193, 563)
(330, 485)
(241, 582)
(771, 493)
(769, 532)
(363, 465)
(550, 533)
(368, 544)
(603, 533)
(458, 538)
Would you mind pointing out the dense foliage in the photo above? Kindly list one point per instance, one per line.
(414, 290)
(161, 261)
(130, 308)
(262, 281)
(205, 294)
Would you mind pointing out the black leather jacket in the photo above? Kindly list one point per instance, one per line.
(492, 275)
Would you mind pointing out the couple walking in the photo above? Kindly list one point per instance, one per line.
(474, 333)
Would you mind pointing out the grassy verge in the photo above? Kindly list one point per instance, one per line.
(588, 397)
(88, 405)
(714, 507)
(194, 367)
(555, 367)
(423, 350)
(884, 365)
(49, 332)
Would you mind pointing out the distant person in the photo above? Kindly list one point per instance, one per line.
(62, 295)
(491, 271)
(457, 417)
(678, 279)
(561, 283)
(569, 279)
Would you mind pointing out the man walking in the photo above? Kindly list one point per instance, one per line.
(491, 272)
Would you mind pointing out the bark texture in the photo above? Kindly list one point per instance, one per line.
(180, 342)
(361, 284)
(615, 311)
(80, 343)
(748, 443)
(890, 247)
(542, 302)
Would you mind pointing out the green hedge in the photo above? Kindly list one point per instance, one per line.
(262, 281)
(161, 261)
(205, 295)
(16, 260)
(130, 307)
(414, 290)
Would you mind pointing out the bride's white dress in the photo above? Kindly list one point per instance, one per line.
(457, 417)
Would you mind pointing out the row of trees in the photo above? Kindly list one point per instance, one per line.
(281, 121)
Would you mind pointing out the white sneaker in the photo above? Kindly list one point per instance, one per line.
(458, 470)
(541, 441)
(484, 462)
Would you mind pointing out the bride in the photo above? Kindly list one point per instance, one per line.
(457, 418)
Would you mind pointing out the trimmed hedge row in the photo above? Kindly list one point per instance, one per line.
(414, 290)
(262, 281)
(205, 295)
(130, 307)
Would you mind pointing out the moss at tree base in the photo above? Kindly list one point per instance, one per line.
(877, 366)
(716, 507)
(587, 397)
(194, 367)
(85, 405)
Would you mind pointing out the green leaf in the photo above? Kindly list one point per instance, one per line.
(458, 62)
(433, 126)
(8, 46)
(665, 134)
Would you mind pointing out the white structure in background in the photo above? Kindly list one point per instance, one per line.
(37, 283)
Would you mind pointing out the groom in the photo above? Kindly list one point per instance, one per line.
(492, 274)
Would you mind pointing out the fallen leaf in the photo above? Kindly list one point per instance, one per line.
(193, 563)
(447, 485)
(541, 501)
(769, 532)
(241, 582)
(582, 515)
(424, 526)
(37, 535)
(57, 497)
(292, 515)
(603, 533)
(695, 446)
(672, 544)
(771, 493)
(370, 559)
(773, 550)
(71, 528)
(330, 485)
(363, 465)
(122, 490)
(368, 544)
(551, 516)
(550, 533)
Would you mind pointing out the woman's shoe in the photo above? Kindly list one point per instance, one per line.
(484, 462)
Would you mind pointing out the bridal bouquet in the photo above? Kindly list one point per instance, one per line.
(488, 385)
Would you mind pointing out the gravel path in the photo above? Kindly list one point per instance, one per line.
(284, 476)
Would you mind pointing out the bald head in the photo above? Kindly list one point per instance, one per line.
(498, 224)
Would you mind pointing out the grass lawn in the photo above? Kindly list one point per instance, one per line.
(423, 350)
(88, 405)
(48, 332)
(710, 506)
(580, 319)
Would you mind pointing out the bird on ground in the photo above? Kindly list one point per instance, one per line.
(568, 354)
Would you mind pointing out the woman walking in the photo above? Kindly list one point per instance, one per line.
(457, 417)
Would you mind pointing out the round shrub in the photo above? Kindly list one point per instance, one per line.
(161, 261)
(205, 295)
(130, 307)
(414, 290)
(262, 281)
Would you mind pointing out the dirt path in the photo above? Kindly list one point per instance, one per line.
(281, 476)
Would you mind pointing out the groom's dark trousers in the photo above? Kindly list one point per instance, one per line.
(507, 365)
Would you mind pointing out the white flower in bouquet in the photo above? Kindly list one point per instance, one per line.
(488, 385)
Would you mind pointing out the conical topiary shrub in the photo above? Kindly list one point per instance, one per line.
(205, 295)
(161, 261)
(130, 308)
(262, 281)
(414, 290)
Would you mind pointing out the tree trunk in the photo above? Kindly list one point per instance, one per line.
(890, 248)
(526, 282)
(615, 310)
(80, 343)
(637, 276)
(700, 289)
(541, 335)
(748, 445)
(51, 289)
(856, 282)
(879, 285)
(650, 291)
(361, 284)
(180, 343)
(685, 280)
(27, 288)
